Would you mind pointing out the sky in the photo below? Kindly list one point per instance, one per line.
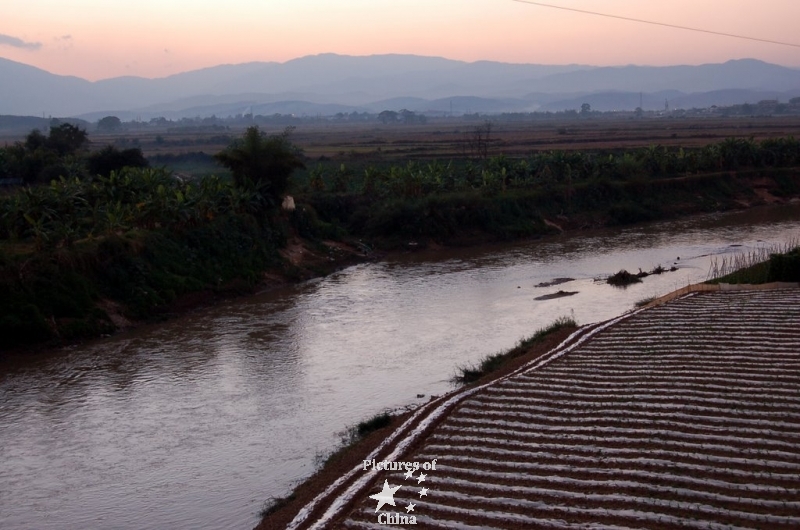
(99, 39)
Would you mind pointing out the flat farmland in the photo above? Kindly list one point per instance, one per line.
(448, 138)
(685, 415)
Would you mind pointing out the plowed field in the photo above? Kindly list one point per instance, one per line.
(685, 415)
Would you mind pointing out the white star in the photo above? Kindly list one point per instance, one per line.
(409, 473)
(421, 478)
(410, 507)
(386, 496)
(423, 492)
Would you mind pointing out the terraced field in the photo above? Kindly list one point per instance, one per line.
(686, 415)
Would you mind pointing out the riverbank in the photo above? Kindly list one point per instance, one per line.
(278, 513)
(585, 411)
(118, 283)
(195, 421)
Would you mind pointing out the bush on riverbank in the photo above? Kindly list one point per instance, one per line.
(765, 265)
(59, 294)
(492, 363)
(78, 251)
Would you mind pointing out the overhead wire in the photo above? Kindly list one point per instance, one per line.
(654, 23)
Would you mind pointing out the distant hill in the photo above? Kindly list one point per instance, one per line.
(327, 84)
(28, 123)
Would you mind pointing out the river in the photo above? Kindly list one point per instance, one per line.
(193, 423)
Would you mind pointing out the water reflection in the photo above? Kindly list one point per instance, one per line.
(192, 423)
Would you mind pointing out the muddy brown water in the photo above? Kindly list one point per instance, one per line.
(193, 423)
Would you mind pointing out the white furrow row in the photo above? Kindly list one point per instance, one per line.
(734, 495)
(518, 430)
(640, 418)
(553, 472)
(730, 423)
(643, 410)
(593, 407)
(529, 522)
(677, 400)
(616, 372)
(632, 461)
(681, 322)
(670, 342)
(639, 516)
(651, 502)
(621, 380)
(700, 395)
(746, 435)
(688, 450)
(740, 344)
(729, 362)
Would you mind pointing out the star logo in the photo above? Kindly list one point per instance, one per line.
(409, 474)
(423, 492)
(410, 507)
(421, 478)
(386, 496)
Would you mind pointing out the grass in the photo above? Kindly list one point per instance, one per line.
(644, 301)
(274, 504)
(491, 363)
(352, 435)
(766, 264)
(379, 421)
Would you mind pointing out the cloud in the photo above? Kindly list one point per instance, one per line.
(64, 42)
(8, 40)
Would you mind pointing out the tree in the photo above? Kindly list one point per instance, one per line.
(66, 139)
(109, 123)
(586, 109)
(110, 159)
(388, 116)
(476, 142)
(35, 140)
(261, 162)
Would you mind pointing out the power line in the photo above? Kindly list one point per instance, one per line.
(664, 24)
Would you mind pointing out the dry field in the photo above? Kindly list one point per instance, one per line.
(445, 138)
(685, 415)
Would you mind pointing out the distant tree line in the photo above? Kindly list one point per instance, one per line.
(63, 152)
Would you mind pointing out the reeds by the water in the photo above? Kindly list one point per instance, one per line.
(748, 267)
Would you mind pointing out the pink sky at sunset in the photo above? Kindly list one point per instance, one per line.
(97, 39)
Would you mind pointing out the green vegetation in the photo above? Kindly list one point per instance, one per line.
(135, 241)
(366, 427)
(492, 363)
(91, 234)
(624, 278)
(63, 153)
(504, 198)
(274, 504)
(765, 265)
(262, 164)
(644, 301)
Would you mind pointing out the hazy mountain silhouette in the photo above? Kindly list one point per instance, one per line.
(327, 84)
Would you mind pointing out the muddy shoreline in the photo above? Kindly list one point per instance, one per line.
(352, 456)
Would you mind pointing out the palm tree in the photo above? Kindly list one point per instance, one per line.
(263, 163)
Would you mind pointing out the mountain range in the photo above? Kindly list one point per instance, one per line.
(328, 84)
